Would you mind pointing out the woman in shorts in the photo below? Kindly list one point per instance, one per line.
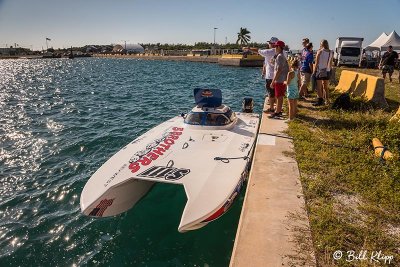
(323, 63)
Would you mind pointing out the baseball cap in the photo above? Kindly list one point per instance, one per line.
(273, 40)
(280, 44)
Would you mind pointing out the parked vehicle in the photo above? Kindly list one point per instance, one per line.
(348, 51)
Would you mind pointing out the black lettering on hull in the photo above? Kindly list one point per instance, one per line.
(168, 173)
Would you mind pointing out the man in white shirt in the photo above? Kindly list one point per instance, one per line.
(268, 71)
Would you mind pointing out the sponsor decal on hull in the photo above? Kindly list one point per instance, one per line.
(244, 146)
(253, 123)
(168, 173)
(101, 207)
(229, 202)
(151, 153)
(149, 147)
(114, 175)
(154, 150)
(138, 140)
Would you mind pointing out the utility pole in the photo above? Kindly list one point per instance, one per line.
(125, 42)
(213, 51)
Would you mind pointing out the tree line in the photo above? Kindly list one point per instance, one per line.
(199, 45)
(243, 39)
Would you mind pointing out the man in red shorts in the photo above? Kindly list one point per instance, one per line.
(281, 70)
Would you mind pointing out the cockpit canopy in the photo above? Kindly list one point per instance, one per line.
(220, 116)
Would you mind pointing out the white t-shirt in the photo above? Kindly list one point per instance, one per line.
(324, 59)
(268, 54)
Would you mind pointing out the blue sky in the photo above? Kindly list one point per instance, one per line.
(77, 23)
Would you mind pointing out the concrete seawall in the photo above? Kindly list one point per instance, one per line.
(240, 62)
(237, 62)
(273, 228)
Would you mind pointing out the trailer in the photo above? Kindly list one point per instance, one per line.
(348, 51)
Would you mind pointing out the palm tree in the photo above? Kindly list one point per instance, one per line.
(243, 36)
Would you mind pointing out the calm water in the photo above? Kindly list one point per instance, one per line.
(60, 120)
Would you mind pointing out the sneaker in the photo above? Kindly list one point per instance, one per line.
(319, 102)
(275, 115)
(269, 110)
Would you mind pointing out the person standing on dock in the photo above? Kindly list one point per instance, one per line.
(388, 62)
(306, 69)
(293, 85)
(269, 54)
(323, 66)
(281, 69)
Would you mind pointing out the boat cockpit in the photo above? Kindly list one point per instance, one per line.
(209, 110)
(221, 116)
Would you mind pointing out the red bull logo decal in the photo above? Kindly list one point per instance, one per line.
(206, 93)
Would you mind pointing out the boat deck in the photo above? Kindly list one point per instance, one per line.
(273, 228)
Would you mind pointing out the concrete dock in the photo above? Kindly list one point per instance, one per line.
(273, 228)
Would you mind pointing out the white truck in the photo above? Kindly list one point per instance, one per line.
(348, 51)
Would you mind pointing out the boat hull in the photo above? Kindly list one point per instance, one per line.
(211, 163)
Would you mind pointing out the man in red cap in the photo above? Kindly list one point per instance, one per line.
(281, 70)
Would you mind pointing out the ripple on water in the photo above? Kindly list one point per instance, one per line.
(60, 120)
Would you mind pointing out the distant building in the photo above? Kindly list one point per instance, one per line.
(8, 51)
(91, 49)
(201, 52)
(106, 48)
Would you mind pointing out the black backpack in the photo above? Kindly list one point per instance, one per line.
(342, 102)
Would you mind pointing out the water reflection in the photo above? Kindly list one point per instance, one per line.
(59, 121)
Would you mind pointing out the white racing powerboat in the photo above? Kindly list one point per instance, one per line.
(208, 151)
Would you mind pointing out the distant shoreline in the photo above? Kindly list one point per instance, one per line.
(10, 57)
(208, 59)
(237, 62)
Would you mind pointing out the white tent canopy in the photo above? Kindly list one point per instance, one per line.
(134, 48)
(129, 48)
(376, 45)
(393, 40)
(383, 41)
